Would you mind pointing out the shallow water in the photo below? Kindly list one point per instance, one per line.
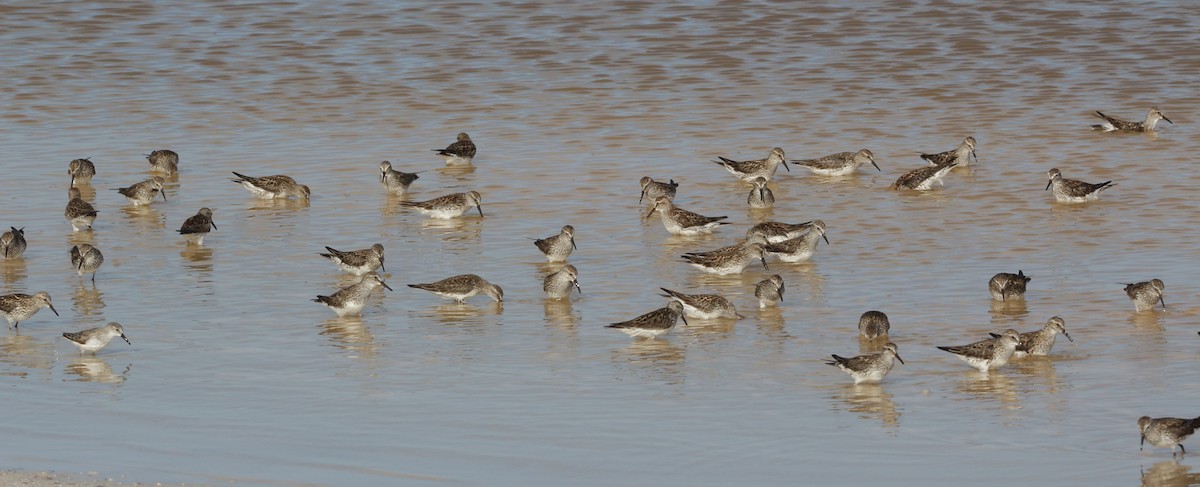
(234, 375)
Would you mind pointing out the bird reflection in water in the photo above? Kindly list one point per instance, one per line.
(87, 301)
(1169, 473)
(994, 385)
(1005, 312)
(462, 313)
(13, 271)
(658, 360)
(1148, 321)
(463, 228)
(559, 313)
(459, 172)
(26, 352)
(143, 217)
(94, 369)
(869, 401)
(351, 334)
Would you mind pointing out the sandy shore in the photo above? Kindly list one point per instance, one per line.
(54, 479)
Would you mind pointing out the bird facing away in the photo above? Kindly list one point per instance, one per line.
(557, 248)
(924, 178)
(1040, 342)
(1005, 286)
(748, 170)
(448, 206)
(92, 340)
(461, 287)
(197, 226)
(1152, 117)
(81, 170)
(85, 259)
(12, 243)
(1146, 294)
(769, 291)
(840, 164)
(679, 221)
(350, 300)
(761, 196)
(143, 192)
(873, 325)
(1167, 432)
(704, 306)
(273, 187)
(558, 285)
(990, 353)
(395, 181)
(357, 262)
(163, 160)
(653, 324)
(462, 151)
(1073, 190)
(20, 307)
(652, 189)
(79, 213)
(960, 155)
(870, 368)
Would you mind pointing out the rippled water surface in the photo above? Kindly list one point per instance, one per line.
(235, 375)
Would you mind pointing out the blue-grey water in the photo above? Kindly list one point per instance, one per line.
(234, 375)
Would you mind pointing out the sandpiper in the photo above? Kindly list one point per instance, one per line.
(761, 196)
(1167, 432)
(682, 222)
(775, 232)
(80, 213)
(349, 301)
(20, 307)
(729, 260)
(558, 247)
(1005, 286)
(142, 193)
(395, 181)
(461, 287)
(960, 154)
(1073, 190)
(654, 323)
(801, 248)
(81, 170)
(769, 291)
(990, 353)
(163, 160)
(92, 340)
(840, 164)
(448, 206)
(870, 368)
(1152, 117)
(197, 226)
(1146, 294)
(652, 189)
(462, 151)
(272, 187)
(873, 325)
(12, 243)
(1041, 341)
(357, 262)
(558, 285)
(85, 259)
(924, 178)
(704, 306)
(748, 170)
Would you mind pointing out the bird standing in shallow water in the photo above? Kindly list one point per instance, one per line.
(395, 181)
(448, 206)
(142, 193)
(349, 301)
(557, 248)
(79, 213)
(92, 340)
(357, 262)
(1005, 286)
(1073, 190)
(990, 353)
(761, 196)
(652, 189)
(12, 243)
(873, 325)
(163, 160)
(840, 164)
(923, 179)
(1146, 294)
(20, 307)
(769, 291)
(1167, 432)
(85, 259)
(81, 170)
(273, 187)
(869, 368)
(196, 227)
(462, 151)
(679, 221)
(1041, 341)
(960, 155)
(653, 324)
(1111, 124)
(748, 170)
(461, 287)
(558, 285)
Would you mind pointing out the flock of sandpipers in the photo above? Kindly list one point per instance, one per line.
(786, 241)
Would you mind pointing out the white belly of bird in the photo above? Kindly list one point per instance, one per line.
(259, 192)
(444, 213)
(695, 312)
(725, 268)
(799, 256)
(349, 309)
(841, 171)
(644, 333)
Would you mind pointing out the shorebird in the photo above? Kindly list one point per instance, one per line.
(682, 222)
(1005, 286)
(652, 189)
(142, 193)
(761, 196)
(801, 248)
(80, 213)
(461, 287)
(92, 340)
(558, 285)
(653, 324)
(558, 247)
(1167, 432)
(349, 301)
(1041, 341)
(85, 259)
(357, 262)
(462, 151)
(769, 291)
(197, 226)
(12, 243)
(840, 164)
(395, 181)
(729, 260)
(20, 307)
(873, 325)
(448, 206)
(748, 170)
(1073, 190)
(924, 178)
(990, 353)
(163, 160)
(704, 306)
(775, 232)
(272, 187)
(1152, 117)
(960, 154)
(1146, 294)
(81, 170)
(870, 368)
